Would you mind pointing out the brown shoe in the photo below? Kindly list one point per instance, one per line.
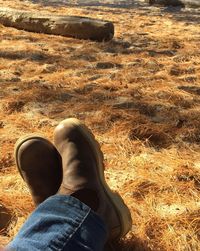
(83, 176)
(40, 165)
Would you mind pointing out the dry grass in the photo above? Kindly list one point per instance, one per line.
(144, 111)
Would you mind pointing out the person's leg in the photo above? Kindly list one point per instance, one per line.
(83, 179)
(61, 223)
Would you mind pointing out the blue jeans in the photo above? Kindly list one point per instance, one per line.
(61, 223)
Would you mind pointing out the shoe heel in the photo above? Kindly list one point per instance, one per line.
(123, 213)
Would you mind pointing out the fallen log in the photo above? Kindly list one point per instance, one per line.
(68, 26)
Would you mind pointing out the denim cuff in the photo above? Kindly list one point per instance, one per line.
(61, 223)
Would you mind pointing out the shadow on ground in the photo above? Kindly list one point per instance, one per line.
(133, 244)
(154, 123)
(32, 56)
(179, 13)
(188, 15)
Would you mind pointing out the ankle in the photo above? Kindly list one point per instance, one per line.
(88, 197)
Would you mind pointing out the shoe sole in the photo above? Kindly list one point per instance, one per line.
(122, 211)
(20, 142)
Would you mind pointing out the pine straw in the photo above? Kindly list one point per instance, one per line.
(144, 111)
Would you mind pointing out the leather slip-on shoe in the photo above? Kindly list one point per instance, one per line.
(83, 170)
(40, 166)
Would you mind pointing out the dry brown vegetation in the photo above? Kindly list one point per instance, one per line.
(139, 93)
